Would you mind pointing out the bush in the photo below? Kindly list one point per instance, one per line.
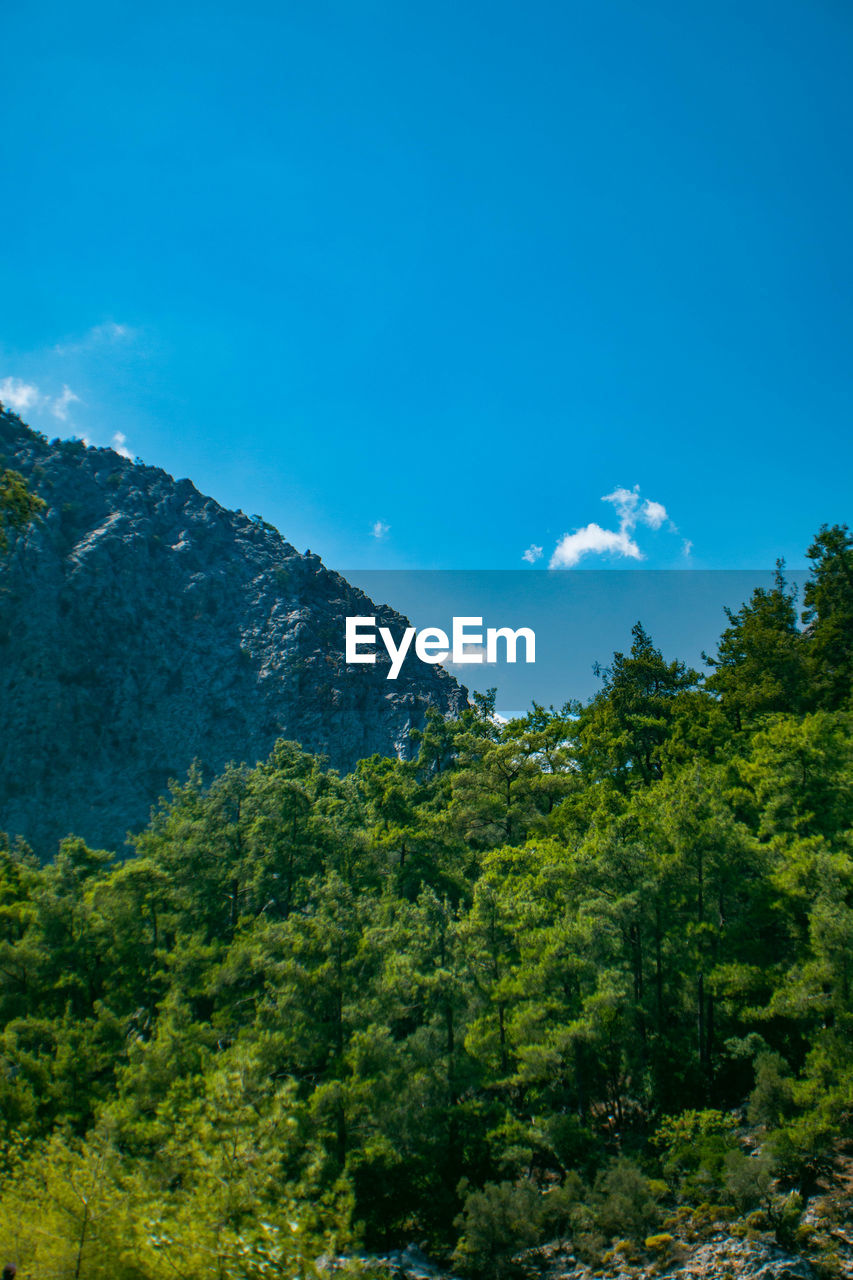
(563, 1208)
(505, 1218)
(496, 1223)
(771, 1101)
(694, 1146)
(785, 1213)
(747, 1179)
(626, 1251)
(828, 1264)
(72, 1208)
(804, 1152)
(624, 1201)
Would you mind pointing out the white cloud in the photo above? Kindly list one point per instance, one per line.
(477, 651)
(653, 514)
(110, 332)
(631, 511)
(118, 443)
(100, 335)
(532, 554)
(592, 539)
(380, 529)
(59, 405)
(625, 501)
(23, 396)
(686, 548)
(18, 395)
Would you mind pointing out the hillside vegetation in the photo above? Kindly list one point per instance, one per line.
(586, 976)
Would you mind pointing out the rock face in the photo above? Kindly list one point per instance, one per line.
(723, 1257)
(143, 626)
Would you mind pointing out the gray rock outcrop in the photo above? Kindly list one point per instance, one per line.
(143, 626)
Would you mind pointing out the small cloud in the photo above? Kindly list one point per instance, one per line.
(59, 405)
(632, 512)
(110, 332)
(100, 335)
(653, 514)
(118, 444)
(18, 395)
(592, 539)
(23, 396)
(532, 554)
(625, 501)
(477, 651)
(686, 548)
(380, 529)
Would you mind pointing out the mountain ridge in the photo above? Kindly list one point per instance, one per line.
(144, 626)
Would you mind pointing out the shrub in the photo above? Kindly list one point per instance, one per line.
(624, 1201)
(747, 1179)
(626, 1251)
(803, 1152)
(496, 1223)
(505, 1218)
(828, 1264)
(785, 1213)
(694, 1147)
(771, 1101)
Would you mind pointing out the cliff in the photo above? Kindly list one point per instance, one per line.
(143, 626)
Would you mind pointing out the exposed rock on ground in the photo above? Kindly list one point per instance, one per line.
(720, 1258)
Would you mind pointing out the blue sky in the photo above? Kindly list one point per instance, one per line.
(423, 284)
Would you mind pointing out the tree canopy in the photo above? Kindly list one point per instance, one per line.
(532, 983)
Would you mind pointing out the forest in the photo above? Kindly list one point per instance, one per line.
(583, 976)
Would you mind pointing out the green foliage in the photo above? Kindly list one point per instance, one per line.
(804, 1152)
(772, 1098)
(759, 667)
(660, 1245)
(694, 1149)
(496, 1224)
(18, 506)
(503, 1219)
(625, 1201)
(81, 1209)
(785, 1215)
(504, 985)
(829, 617)
(625, 728)
(747, 1179)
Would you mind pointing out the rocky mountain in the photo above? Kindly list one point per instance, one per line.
(143, 626)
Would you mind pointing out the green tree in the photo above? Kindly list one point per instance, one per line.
(759, 667)
(828, 616)
(18, 506)
(623, 730)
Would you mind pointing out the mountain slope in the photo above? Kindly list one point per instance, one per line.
(143, 626)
